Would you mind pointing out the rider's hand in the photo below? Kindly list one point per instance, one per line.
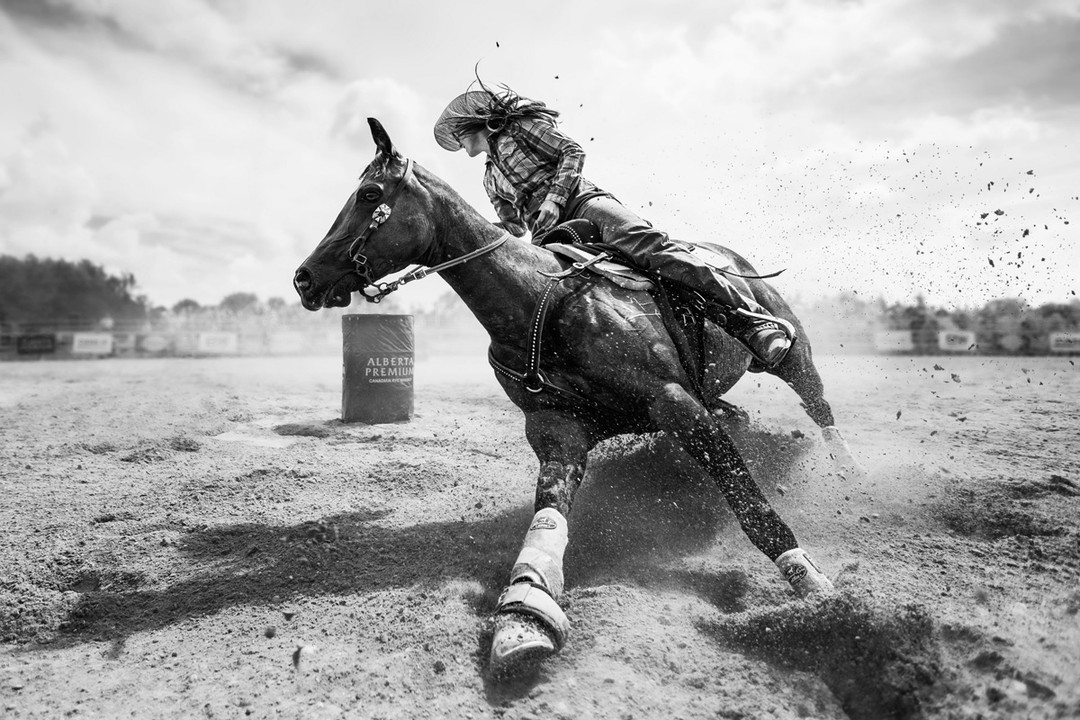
(548, 216)
(512, 228)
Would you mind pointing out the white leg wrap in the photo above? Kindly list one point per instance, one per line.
(541, 556)
(802, 574)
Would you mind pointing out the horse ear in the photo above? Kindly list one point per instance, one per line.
(382, 138)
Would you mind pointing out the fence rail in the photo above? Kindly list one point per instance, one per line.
(320, 338)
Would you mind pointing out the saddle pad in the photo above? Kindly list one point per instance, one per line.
(620, 274)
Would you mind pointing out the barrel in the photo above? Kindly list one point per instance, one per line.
(377, 375)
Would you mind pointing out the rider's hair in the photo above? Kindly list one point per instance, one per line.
(501, 107)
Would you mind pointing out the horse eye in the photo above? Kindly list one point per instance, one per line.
(370, 195)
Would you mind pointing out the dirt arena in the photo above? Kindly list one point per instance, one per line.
(191, 538)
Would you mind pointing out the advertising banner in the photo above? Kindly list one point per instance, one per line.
(89, 343)
(956, 341)
(1065, 342)
(218, 343)
(38, 344)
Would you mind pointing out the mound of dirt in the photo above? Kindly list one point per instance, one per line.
(880, 662)
(994, 511)
(303, 430)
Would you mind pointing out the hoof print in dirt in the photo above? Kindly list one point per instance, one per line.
(878, 663)
(318, 531)
(1053, 485)
(303, 430)
(184, 444)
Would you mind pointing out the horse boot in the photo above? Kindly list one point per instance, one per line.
(768, 338)
(802, 574)
(529, 624)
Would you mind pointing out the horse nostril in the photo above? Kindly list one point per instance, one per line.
(302, 279)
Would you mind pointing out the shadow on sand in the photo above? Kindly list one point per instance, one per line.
(643, 506)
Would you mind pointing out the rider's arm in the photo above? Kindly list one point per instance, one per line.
(501, 197)
(548, 142)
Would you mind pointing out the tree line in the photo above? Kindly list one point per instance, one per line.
(43, 293)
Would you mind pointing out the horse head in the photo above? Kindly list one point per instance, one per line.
(380, 230)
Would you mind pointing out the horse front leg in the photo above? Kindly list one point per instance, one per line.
(529, 623)
(677, 411)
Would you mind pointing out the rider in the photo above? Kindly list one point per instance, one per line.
(533, 178)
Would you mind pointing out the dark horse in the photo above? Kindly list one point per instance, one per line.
(608, 366)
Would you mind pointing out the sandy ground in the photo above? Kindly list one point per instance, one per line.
(203, 538)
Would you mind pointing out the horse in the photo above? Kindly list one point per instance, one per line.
(607, 365)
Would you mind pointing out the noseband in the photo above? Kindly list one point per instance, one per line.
(380, 215)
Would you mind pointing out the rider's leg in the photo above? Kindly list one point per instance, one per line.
(767, 337)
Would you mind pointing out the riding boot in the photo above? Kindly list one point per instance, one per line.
(768, 338)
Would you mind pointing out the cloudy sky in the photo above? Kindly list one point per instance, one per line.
(890, 147)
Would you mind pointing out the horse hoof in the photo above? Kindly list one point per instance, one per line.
(520, 643)
(841, 454)
(803, 575)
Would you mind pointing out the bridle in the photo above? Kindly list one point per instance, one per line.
(380, 215)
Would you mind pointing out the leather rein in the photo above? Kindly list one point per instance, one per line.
(379, 216)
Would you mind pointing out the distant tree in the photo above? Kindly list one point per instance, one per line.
(275, 303)
(187, 305)
(998, 325)
(47, 291)
(239, 302)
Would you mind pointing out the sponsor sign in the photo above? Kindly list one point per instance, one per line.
(956, 340)
(35, 344)
(85, 343)
(894, 341)
(154, 343)
(1065, 342)
(217, 343)
(124, 342)
(384, 369)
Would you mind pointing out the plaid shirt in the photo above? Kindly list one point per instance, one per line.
(529, 162)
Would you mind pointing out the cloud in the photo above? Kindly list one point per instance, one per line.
(43, 188)
(194, 32)
(398, 107)
(220, 139)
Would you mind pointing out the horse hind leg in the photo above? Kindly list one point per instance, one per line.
(799, 372)
(677, 411)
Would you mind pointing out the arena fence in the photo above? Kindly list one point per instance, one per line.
(432, 338)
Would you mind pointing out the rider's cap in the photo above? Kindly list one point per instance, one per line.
(472, 105)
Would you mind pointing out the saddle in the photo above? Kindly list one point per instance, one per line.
(579, 247)
(578, 244)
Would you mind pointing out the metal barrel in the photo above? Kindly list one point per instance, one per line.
(377, 375)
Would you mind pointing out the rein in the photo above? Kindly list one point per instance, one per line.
(380, 215)
(384, 289)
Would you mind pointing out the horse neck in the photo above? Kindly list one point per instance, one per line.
(500, 287)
